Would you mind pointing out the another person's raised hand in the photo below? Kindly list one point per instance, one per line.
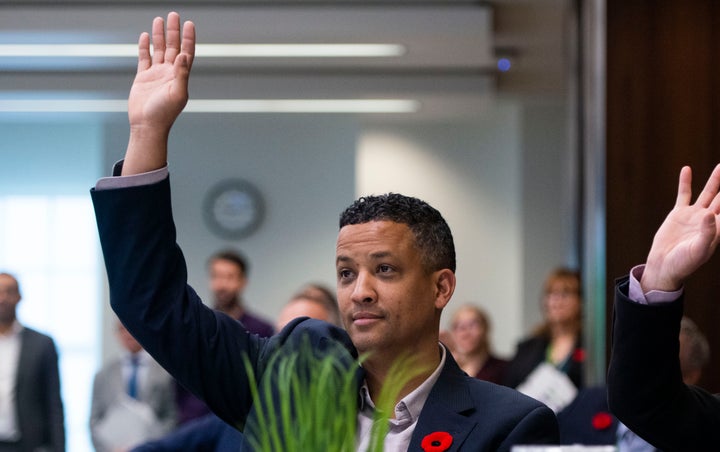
(688, 236)
(159, 92)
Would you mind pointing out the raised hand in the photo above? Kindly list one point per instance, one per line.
(688, 236)
(159, 92)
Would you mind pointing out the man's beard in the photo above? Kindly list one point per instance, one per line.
(224, 298)
(7, 316)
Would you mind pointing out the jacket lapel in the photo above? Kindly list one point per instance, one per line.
(446, 409)
(26, 354)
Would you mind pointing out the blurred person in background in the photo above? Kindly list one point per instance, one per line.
(558, 340)
(548, 365)
(133, 398)
(31, 409)
(312, 300)
(228, 277)
(470, 344)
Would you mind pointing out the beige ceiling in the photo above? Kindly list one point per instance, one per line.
(452, 47)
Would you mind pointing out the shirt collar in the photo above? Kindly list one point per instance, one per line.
(14, 330)
(142, 357)
(409, 407)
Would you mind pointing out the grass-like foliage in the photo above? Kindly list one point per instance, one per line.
(307, 400)
(401, 372)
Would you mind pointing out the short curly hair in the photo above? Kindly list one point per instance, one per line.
(432, 233)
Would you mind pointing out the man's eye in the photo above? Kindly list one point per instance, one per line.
(384, 268)
(344, 274)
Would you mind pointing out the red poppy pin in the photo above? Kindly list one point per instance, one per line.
(436, 442)
(578, 355)
(601, 420)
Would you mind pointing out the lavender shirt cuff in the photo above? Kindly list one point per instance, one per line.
(117, 181)
(636, 294)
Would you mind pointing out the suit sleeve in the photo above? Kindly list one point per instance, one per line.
(147, 277)
(539, 426)
(645, 387)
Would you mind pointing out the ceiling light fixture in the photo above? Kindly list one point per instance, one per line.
(208, 50)
(218, 106)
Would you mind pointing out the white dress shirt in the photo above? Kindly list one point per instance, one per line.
(407, 412)
(9, 357)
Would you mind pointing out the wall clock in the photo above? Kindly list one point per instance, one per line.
(233, 209)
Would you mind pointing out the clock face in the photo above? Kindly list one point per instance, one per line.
(233, 209)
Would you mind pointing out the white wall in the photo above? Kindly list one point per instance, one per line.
(503, 182)
(471, 173)
(550, 200)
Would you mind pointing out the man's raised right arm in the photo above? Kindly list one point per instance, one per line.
(159, 92)
(645, 388)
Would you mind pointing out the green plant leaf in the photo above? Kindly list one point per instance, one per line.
(307, 400)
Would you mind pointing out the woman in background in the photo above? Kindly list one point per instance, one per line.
(470, 344)
(558, 340)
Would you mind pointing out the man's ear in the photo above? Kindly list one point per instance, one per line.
(444, 287)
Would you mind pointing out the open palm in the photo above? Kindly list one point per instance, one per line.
(688, 236)
(160, 90)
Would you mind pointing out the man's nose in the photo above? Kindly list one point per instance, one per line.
(364, 290)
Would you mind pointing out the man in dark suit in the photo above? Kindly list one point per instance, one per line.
(395, 265)
(645, 384)
(31, 411)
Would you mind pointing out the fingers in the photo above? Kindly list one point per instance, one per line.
(708, 198)
(143, 52)
(158, 40)
(188, 42)
(167, 45)
(710, 191)
(684, 187)
(716, 239)
(715, 177)
(172, 37)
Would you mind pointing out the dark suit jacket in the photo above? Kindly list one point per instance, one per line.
(588, 421)
(207, 433)
(578, 423)
(38, 401)
(203, 349)
(645, 387)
